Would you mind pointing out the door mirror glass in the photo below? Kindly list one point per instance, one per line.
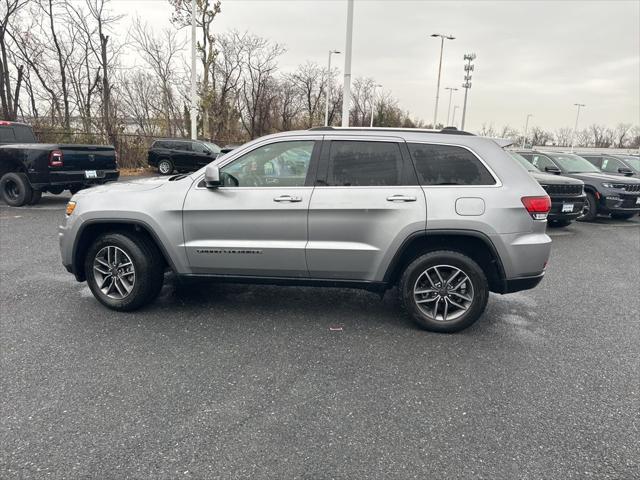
(625, 171)
(552, 169)
(212, 176)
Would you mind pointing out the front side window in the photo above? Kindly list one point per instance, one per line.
(197, 147)
(282, 164)
(541, 162)
(610, 164)
(448, 165)
(360, 163)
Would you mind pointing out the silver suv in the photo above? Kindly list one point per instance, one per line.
(445, 216)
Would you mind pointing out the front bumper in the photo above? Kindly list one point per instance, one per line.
(619, 202)
(558, 204)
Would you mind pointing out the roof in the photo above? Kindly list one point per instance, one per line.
(446, 130)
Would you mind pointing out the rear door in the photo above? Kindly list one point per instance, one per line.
(366, 202)
(200, 155)
(256, 224)
(181, 155)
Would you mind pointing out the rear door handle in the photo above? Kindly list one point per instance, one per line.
(287, 198)
(400, 198)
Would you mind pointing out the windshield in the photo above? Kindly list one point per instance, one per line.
(212, 146)
(524, 162)
(573, 163)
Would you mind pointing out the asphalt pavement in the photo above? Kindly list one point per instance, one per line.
(237, 381)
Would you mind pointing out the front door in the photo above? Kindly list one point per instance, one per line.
(366, 202)
(256, 223)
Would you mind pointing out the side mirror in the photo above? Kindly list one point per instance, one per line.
(207, 152)
(552, 169)
(212, 176)
(625, 171)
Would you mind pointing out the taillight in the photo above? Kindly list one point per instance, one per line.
(117, 158)
(538, 207)
(55, 159)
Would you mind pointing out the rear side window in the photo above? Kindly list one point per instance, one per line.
(16, 134)
(356, 163)
(448, 165)
(182, 146)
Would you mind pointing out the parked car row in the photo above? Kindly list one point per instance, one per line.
(615, 193)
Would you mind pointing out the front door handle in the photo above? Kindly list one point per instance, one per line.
(287, 198)
(400, 198)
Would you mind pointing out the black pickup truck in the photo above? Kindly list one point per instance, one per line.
(28, 168)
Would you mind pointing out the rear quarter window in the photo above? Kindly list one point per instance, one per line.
(448, 165)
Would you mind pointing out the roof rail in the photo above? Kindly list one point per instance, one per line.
(445, 130)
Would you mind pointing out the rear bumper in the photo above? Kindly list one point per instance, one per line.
(75, 177)
(512, 285)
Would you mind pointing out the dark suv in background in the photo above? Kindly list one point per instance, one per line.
(606, 194)
(567, 194)
(615, 164)
(182, 155)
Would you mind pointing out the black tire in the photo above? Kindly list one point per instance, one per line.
(36, 197)
(590, 210)
(560, 223)
(15, 189)
(75, 189)
(149, 272)
(165, 167)
(479, 289)
(623, 216)
(56, 190)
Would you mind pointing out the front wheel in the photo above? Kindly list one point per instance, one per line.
(590, 209)
(622, 216)
(444, 291)
(123, 271)
(165, 167)
(15, 189)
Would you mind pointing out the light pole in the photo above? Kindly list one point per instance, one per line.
(194, 100)
(451, 90)
(526, 127)
(453, 120)
(346, 87)
(373, 101)
(329, 82)
(575, 127)
(442, 38)
(468, 68)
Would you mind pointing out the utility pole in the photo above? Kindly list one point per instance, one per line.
(468, 68)
(575, 127)
(329, 85)
(194, 99)
(442, 39)
(346, 87)
(453, 120)
(451, 90)
(373, 101)
(526, 127)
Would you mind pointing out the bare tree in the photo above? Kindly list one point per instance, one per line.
(9, 90)
(562, 136)
(310, 81)
(540, 137)
(602, 136)
(361, 98)
(620, 134)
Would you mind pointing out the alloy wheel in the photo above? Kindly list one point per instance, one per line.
(113, 272)
(164, 167)
(443, 293)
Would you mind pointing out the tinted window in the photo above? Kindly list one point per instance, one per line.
(182, 146)
(355, 163)
(197, 147)
(541, 162)
(282, 164)
(16, 134)
(7, 135)
(448, 165)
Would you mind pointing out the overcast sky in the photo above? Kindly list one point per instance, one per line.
(536, 57)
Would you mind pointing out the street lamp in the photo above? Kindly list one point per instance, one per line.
(451, 90)
(468, 68)
(442, 38)
(526, 126)
(453, 120)
(346, 84)
(575, 127)
(373, 101)
(329, 85)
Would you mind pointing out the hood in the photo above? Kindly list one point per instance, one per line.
(135, 184)
(590, 177)
(551, 179)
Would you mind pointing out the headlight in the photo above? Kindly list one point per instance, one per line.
(612, 185)
(71, 206)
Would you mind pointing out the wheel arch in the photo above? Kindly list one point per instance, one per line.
(474, 244)
(92, 229)
(8, 165)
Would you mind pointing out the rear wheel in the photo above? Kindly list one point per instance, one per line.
(444, 291)
(590, 209)
(123, 272)
(165, 167)
(56, 190)
(622, 216)
(36, 197)
(15, 189)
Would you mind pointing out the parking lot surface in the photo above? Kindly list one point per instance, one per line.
(236, 381)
